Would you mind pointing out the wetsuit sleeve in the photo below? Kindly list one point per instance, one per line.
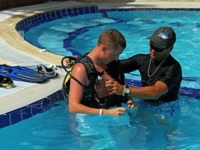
(130, 64)
(172, 75)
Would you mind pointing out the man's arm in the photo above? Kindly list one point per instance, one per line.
(172, 75)
(131, 64)
(147, 92)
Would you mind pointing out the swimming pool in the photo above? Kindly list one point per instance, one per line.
(58, 129)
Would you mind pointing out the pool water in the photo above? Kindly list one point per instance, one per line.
(58, 129)
(67, 37)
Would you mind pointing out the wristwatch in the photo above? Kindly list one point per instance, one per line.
(126, 91)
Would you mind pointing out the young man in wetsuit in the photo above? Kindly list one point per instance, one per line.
(110, 45)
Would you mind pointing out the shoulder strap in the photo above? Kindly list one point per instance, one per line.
(92, 76)
(90, 69)
(89, 66)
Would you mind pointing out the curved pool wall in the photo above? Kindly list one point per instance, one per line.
(30, 110)
(49, 102)
(47, 16)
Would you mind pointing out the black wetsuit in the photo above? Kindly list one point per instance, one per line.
(169, 72)
(90, 97)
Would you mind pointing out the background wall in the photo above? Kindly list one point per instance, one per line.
(88, 1)
(5, 4)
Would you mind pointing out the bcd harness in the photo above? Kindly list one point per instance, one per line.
(90, 97)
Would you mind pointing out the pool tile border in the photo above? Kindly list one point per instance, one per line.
(37, 19)
(40, 18)
(30, 110)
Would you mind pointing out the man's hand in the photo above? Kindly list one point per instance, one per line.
(115, 111)
(114, 87)
(69, 62)
(131, 104)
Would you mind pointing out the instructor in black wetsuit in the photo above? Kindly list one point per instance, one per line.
(161, 77)
(161, 74)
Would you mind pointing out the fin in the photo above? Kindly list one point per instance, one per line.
(22, 74)
(6, 82)
(49, 72)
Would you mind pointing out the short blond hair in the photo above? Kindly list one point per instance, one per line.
(113, 38)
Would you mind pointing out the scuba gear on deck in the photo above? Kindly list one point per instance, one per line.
(20, 73)
(6, 82)
(49, 72)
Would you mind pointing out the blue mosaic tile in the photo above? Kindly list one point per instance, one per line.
(4, 120)
(38, 19)
(64, 12)
(87, 10)
(15, 116)
(28, 111)
(58, 14)
(25, 113)
(54, 15)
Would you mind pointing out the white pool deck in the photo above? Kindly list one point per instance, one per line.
(16, 51)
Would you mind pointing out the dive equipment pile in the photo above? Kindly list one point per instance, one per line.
(8, 74)
(49, 72)
(6, 82)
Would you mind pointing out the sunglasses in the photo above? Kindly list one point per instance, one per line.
(155, 48)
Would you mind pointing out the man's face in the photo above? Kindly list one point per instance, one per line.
(112, 54)
(158, 53)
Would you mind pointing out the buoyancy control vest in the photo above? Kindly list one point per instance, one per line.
(90, 97)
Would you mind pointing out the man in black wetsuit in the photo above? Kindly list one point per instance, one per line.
(161, 77)
(161, 74)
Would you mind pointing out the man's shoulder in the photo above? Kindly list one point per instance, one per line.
(114, 65)
(79, 67)
(114, 62)
(144, 55)
(88, 63)
(174, 66)
(141, 57)
(173, 61)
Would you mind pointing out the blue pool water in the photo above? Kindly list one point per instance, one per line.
(57, 129)
(66, 37)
